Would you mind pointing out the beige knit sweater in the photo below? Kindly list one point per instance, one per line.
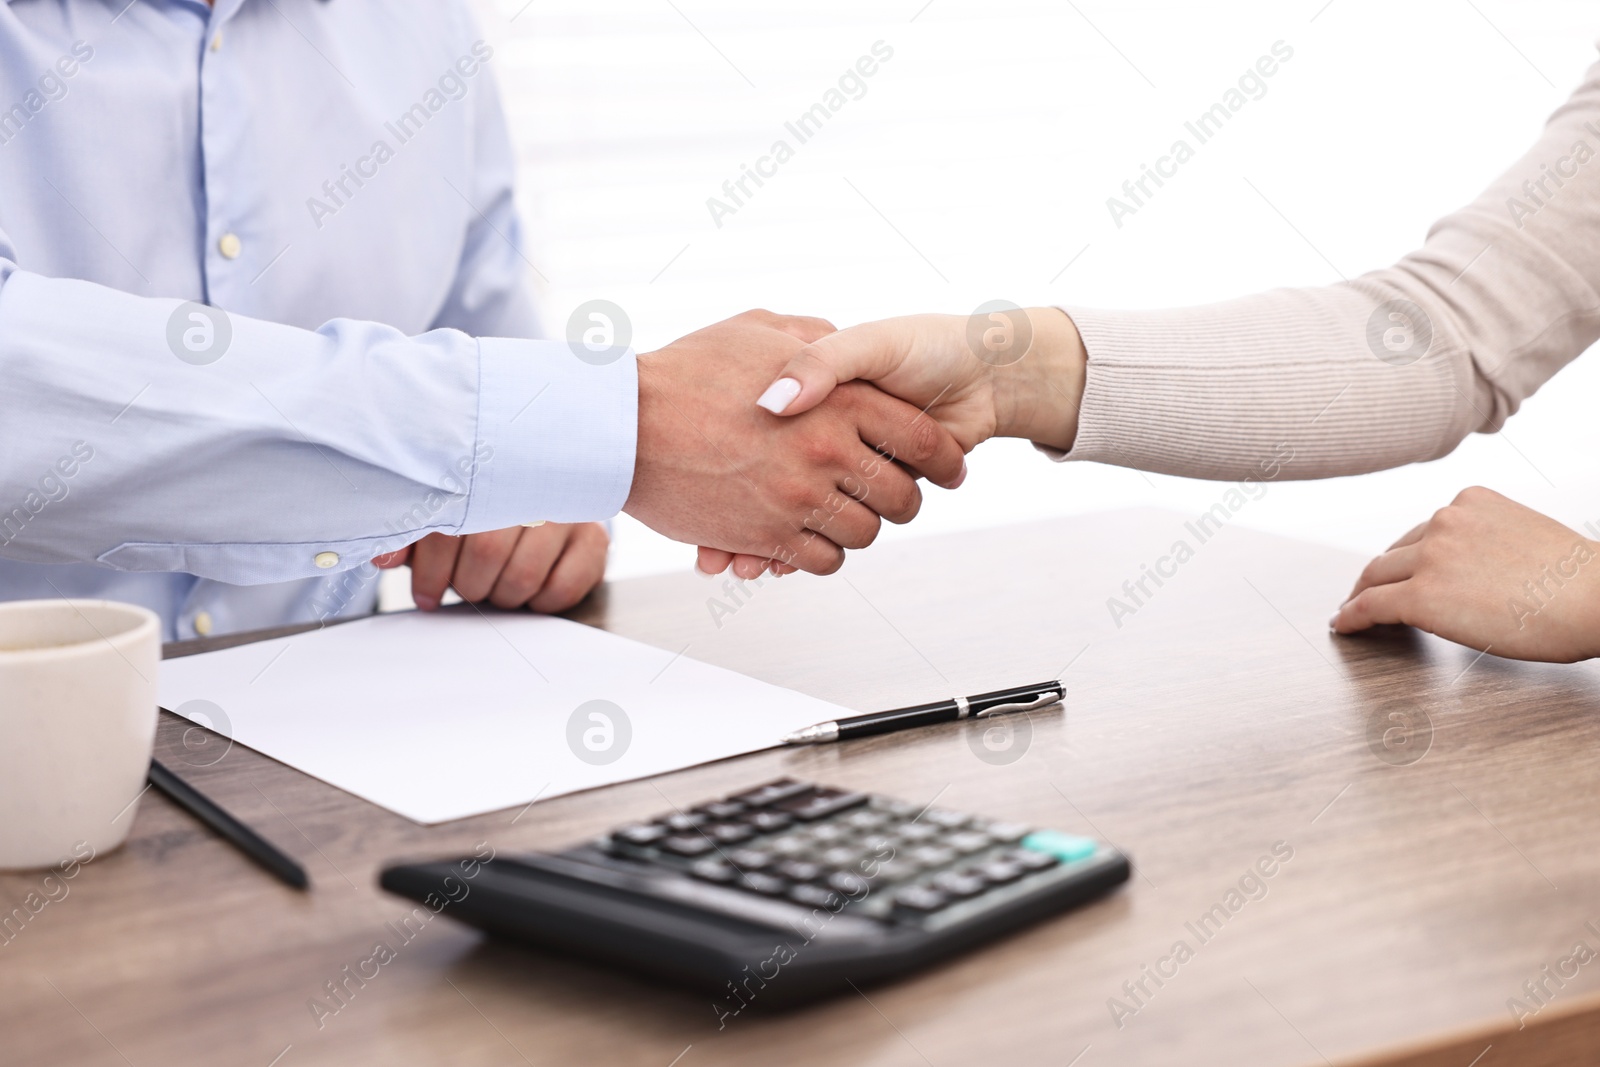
(1393, 367)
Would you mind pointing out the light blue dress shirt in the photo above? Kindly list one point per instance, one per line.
(251, 259)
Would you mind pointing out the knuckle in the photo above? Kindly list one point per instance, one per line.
(795, 494)
(819, 450)
(923, 438)
(507, 600)
(904, 497)
(1435, 549)
(809, 363)
(561, 593)
(520, 576)
(828, 561)
(870, 526)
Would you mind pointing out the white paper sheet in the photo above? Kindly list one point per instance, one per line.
(441, 716)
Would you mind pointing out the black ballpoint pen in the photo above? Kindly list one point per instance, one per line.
(982, 706)
(238, 834)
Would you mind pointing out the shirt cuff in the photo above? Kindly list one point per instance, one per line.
(556, 435)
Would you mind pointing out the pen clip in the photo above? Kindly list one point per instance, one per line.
(1043, 700)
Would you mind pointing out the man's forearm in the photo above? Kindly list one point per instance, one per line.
(282, 453)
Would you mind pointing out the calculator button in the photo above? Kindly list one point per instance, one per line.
(1007, 832)
(816, 897)
(765, 884)
(866, 820)
(641, 834)
(750, 859)
(768, 822)
(683, 822)
(878, 845)
(822, 803)
(829, 833)
(799, 870)
(960, 886)
(898, 809)
(920, 899)
(849, 883)
(1029, 860)
(946, 820)
(969, 841)
(932, 856)
(773, 792)
(998, 872)
(1065, 847)
(918, 833)
(843, 856)
(730, 834)
(687, 845)
(719, 871)
(722, 809)
(891, 871)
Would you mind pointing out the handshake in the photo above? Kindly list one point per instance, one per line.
(776, 442)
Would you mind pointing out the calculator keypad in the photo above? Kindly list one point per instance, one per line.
(831, 848)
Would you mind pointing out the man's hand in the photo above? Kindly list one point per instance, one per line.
(716, 470)
(548, 568)
(1491, 574)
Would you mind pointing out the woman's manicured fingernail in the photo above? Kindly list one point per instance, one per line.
(1333, 622)
(960, 477)
(779, 395)
(426, 603)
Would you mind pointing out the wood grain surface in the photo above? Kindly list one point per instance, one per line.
(1440, 808)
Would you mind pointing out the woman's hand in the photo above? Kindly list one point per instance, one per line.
(1491, 574)
(1006, 373)
(1016, 373)
(548, 568)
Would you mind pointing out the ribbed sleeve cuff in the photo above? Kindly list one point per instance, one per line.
(1285, 378)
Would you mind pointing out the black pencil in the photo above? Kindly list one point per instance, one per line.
(241, 836)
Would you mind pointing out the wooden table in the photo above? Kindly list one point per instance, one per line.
(1214, 722)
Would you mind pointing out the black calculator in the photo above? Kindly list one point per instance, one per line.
(776, 895)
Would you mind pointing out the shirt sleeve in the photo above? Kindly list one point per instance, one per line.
(1394, 367)
(154, 435)
(492, 295)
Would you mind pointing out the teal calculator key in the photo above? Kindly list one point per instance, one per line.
(1064, 847)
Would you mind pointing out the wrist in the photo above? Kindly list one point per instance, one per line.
(1038, 397)
(645, 446)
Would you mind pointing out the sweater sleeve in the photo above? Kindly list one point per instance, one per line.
(1393, 367)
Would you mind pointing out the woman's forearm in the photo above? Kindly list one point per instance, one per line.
(1393, 367)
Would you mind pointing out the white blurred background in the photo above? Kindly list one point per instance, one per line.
(978, 164)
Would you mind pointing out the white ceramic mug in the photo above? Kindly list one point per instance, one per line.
(77, 725)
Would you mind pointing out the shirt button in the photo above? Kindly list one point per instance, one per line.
(326, 559)
(216, 42)
(230, 246)
(202, 623)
